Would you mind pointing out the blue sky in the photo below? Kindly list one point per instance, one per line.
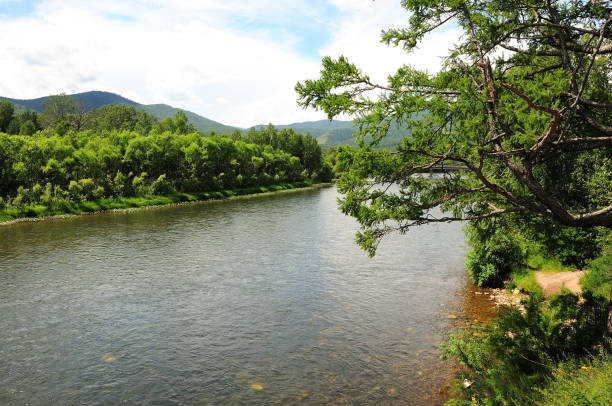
(233, 61)
(16, 8)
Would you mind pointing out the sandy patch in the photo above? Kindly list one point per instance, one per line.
(552, 283)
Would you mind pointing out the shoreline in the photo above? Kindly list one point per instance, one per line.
(22, 220)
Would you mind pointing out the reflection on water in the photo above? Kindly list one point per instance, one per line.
(261, 301)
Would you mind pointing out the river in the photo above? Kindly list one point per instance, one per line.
(251, 301)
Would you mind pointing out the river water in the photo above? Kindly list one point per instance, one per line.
(257, 301)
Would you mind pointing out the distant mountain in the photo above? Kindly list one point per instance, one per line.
(203, 124)
(327, 133)
(319, 129)
(338, 132)
(98, 99)
(92, 100)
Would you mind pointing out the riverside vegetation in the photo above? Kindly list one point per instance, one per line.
(69, 161)
(522, 101)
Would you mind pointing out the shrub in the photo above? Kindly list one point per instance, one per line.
(88, 188)
(493, 255)
(599, 277)
(47, 195)
(515, 352)
(572, 246)
(161, 186)
(37, 192)
(23, 197)
(98, 193)
(74, 190)
(139, 186)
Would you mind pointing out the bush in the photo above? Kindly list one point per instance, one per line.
(493, 255)
(572, 246)
(23, 197)
(587, 382)
(599, 277)
(120, 185)
(47, 195)
(74, 190)
(88, 189)
(161, 186)
(515, 353)
(139, 186)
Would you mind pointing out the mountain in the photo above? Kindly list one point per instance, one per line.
(338, 132)
(96, 99)
(327, 133)
(92, 100)
(203, 124)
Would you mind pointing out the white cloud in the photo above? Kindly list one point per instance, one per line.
(358, 38)
(191, 54)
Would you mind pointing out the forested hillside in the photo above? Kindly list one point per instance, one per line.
(94, 100)
(332, 133)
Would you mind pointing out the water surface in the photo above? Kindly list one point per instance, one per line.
(258, 301)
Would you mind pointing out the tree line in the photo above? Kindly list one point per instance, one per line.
(117, 151)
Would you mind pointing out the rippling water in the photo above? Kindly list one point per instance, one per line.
(258, 301)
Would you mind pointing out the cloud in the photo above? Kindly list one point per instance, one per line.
(358, 38)
(232, 61)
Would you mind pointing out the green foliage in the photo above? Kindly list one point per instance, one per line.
(62, 203)
(61, 170)
(527, 124)
(161, 186)
(119, 117)
(598, 278)
(58, 110)
(514, 354)
(6, 114)
(579, 382)
(572, 246)
(494, 254)
(301, 146)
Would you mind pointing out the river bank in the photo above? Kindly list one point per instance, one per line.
(35, 213)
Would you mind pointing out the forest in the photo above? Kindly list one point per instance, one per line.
(66, 160)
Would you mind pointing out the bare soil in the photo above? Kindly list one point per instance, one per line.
(552, 283)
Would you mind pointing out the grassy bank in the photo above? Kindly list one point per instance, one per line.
(11, 213)
(579, 382)
(550, 355)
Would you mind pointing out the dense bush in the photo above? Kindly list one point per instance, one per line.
(494, 253)
(570, 245)
(598, 279)
(515, 353)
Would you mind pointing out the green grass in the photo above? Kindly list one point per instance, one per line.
(586, 382)
(524, 279)
(111, 203)
(541, 263)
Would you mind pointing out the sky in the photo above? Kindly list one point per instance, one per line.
(232, 61)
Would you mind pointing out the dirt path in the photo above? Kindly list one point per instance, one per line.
(552, 283)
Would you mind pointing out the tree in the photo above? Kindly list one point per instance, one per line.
(6, 114)
(521, 103)
(511, 118)
(59, 110)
